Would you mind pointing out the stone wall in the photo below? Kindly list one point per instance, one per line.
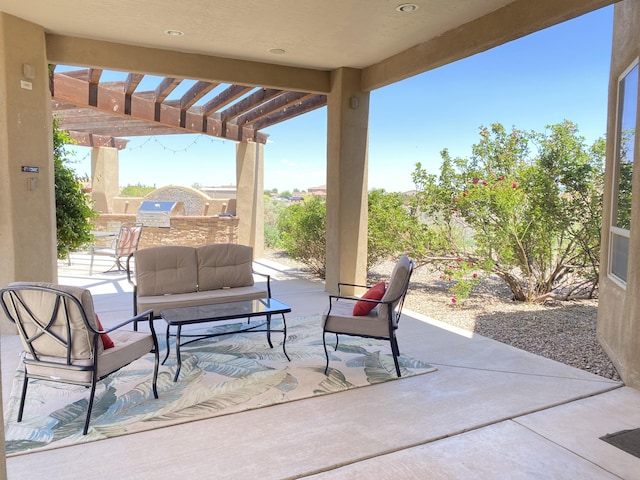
(189, 231)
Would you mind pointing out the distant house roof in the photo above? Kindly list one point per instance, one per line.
(321, 190)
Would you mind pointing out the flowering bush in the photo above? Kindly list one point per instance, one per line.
(534, 213)
(465, 276)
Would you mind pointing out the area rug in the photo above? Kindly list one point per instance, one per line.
(627, 440)
(219, 376)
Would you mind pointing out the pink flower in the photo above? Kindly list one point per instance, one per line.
(459, 259)
(464, 194)
(475, 180)
(453, 300)
(475, 275)
(514, 185)
(455, 199)
(484, 183)
(500, 178)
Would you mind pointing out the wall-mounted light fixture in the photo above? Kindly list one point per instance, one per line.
(28, 71)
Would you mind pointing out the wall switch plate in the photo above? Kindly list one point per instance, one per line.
(26, 85)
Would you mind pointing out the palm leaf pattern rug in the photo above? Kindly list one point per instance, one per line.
(219, 376)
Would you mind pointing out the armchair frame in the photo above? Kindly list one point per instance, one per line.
(60, 331)
(387, 310)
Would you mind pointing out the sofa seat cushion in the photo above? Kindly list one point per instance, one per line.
(223, 295)
(342, 320)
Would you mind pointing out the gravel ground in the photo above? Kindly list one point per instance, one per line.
(561, 331)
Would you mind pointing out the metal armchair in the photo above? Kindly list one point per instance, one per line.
(381, 322)
(63, 341)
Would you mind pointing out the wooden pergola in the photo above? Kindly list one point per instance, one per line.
(97, 114)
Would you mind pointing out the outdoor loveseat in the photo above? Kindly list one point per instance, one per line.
(178, 276)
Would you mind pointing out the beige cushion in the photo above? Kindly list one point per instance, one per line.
(165, 270)
(224, 265)
(342, 320)
(129, 346)
(398, 283)
(41, 304)
(158, 303)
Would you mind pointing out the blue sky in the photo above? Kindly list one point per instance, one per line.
(559, 73)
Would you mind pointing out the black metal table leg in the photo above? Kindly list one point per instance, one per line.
(284, 340)
(269, 330)
(167, 340)
(178, 358)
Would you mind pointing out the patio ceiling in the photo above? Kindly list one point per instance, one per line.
(254, 63)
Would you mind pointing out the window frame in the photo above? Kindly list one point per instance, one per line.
(614, 230)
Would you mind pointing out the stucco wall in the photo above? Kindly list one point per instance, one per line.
(619, 307)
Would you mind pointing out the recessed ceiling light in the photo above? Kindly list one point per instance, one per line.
(174, 33)
(277, 51)
(407, 7)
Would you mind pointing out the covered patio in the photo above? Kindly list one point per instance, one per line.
(489, 411)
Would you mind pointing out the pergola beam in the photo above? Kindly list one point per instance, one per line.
(114, 109)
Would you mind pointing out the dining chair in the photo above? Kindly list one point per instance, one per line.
(123, 245)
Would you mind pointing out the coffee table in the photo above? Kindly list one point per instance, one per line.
(181, 316)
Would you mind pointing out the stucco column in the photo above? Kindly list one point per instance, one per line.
(27, 222)
(250, 195)
(347, 139)
(104, 178)
(27, 202)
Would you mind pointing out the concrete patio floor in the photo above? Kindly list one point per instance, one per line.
(489, 411)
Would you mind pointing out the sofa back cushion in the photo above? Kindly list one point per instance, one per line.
(165, 270)
(224, 265)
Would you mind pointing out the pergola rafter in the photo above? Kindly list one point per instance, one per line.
(95, 113)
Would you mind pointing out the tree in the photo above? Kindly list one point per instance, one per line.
(137, 190)
(73, 212)
(535, 218)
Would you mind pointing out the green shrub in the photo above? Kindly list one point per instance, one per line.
(73, 212)
(302, 228)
